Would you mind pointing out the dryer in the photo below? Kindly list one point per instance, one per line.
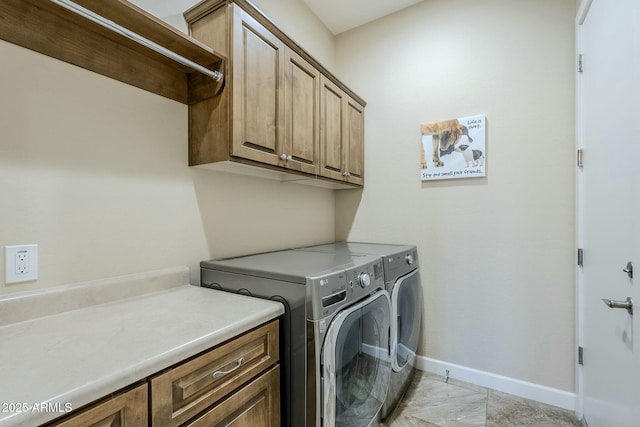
(334, 336)
(402, 281)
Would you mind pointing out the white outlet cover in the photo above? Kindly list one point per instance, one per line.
(28, 253)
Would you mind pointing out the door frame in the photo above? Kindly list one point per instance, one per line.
(581, 15)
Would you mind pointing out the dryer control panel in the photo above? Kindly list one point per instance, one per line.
(400, 264)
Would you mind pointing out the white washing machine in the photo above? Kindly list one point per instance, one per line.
(402, 281)
(334, 336)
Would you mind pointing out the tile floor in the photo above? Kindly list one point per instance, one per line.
(432, 402)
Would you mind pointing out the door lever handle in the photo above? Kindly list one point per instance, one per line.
(626, 304)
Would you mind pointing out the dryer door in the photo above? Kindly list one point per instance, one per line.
(406, 307)
(356, 366)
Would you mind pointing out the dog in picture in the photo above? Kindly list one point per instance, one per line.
(472, 157)
(445, 135)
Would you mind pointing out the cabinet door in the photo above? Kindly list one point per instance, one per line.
(302, 103)
(355, 142)
(126, 409)
(184, 391)
(341, 135)
(255, 404)
(258, 91)
(332, 140)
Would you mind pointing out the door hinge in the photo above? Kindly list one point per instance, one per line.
(580, 68)
(580, 355)
(580, 157)
(580, 257)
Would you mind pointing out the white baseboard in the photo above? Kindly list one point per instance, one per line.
(550, 396)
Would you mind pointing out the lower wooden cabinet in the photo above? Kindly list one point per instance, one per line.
(234, 384)
(255, 404)
(190, 388)
(128, 408)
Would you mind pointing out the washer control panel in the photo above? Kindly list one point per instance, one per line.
(365, 279)
(331, 290)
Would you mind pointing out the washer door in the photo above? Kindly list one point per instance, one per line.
(356, 367)
(406, 306)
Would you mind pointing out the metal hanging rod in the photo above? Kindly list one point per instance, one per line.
(76, 8)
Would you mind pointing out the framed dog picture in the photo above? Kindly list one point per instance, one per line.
(453, 149)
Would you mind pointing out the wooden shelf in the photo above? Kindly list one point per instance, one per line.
(52, 30)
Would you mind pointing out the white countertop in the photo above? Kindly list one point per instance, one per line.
(72, 358)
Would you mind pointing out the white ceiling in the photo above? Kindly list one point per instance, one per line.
(337, 15)
(343, 15)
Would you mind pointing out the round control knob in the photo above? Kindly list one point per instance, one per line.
(364, 280)
(409, 259)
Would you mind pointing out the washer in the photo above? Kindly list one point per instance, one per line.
(402, 281)
(334, 335)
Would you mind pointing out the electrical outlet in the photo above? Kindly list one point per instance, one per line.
(21, 263)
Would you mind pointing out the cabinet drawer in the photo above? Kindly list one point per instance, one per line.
(187, 389)
(124, 409)
(255, 404)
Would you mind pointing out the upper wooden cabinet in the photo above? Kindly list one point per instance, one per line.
(341, 135)
(302, 92)
(274, 111)
(275, 100)
(257, 125)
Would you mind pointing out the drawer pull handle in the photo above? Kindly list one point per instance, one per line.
(220, 374)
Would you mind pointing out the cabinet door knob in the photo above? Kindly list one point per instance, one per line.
(289, 157)
(283, 157)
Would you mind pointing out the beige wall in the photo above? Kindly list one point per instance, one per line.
(95, 172)
(297, 21)
(292, 16)
(497, 253)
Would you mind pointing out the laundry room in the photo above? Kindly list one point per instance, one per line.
(96, 173)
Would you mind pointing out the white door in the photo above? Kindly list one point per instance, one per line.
(609, 192)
